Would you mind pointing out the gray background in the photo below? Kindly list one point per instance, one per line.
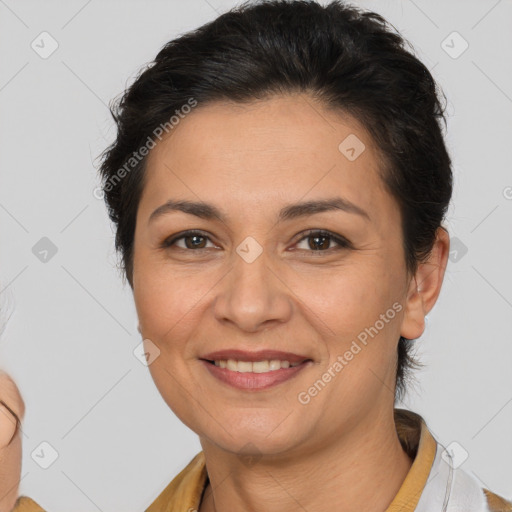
(70, 323)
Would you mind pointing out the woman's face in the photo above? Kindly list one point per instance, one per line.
(254, 280)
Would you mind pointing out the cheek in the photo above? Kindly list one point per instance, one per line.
(179, 390)
(165, 300)
(165, 307)
(346, 299)
(358, 312)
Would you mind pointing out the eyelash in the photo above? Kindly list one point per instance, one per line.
(342, 242)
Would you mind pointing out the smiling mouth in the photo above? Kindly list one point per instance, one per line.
(263, 366)
(254, 376)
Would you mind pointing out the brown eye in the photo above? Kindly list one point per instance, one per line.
(192, 240)
(320, 241)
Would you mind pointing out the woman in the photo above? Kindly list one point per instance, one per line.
(278, 186)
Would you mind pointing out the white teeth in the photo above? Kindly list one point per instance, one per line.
(254, 367)
(260, 366)
(232, 365)
(275, 364)
(244, 366)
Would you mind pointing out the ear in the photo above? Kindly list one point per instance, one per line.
(425, 286)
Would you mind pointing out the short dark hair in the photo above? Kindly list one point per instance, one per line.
(352, 60)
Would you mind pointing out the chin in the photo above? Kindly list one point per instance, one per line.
(270, 437)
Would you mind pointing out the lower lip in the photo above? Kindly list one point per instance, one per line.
(254, 381)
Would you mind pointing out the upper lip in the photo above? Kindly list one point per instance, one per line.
(260, 355)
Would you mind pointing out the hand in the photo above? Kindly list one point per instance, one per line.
(10, 441)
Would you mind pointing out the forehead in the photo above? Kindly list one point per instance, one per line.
(279, 150)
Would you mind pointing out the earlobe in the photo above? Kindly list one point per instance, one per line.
(425, 286)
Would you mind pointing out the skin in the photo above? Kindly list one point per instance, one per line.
(250, 161)
(10, 451)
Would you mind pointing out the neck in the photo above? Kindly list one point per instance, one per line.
(360, 470)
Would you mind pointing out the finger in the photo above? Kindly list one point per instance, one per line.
(12, 411)
(9, 424)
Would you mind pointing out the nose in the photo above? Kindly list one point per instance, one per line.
(253, 295)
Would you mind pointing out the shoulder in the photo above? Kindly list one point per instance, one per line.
(497, 503)
(26, 504)
(185, 490)
(451, 488)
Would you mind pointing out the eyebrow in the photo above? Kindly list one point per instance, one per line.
(293, 211)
